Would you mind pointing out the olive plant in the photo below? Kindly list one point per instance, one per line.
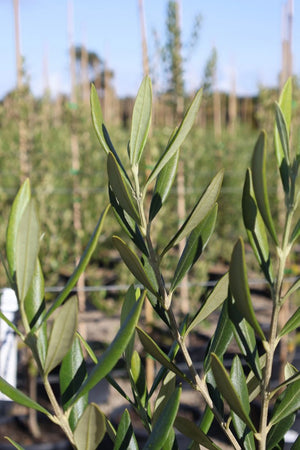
(137, 202)
(251, 378)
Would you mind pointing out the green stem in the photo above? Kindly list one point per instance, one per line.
(283, 253)
(200, 384)
(61, 418)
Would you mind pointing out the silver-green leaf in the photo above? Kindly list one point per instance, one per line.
(141, 119)
(61, 335)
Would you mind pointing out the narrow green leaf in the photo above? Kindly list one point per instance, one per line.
(190, 429)
(19, 397)
(214, 392)
(11, 325)
(255, 228)
(245, 337)
(285, 104)
(253, 382)
(20, 202)
(195, 245)
(292, 379)
(206, 420)
(239, 383)
(228, 391)
(290, 403)
(133, 263)
(97, 118)
(84, 260)
(141, 118)
(295, 286)
(296, 444)
(215, 299)
(290, 371)
(295, 233)
(118, 388)
(138, 377)
(114, 351)
(90, 429)
(61, 335)
(87, 347)
(239, 286)
(125, 438)
(128, 224)
(34, 302)
(258, 168)
(178, 138)
(221, 337)
(283, 132)
(171, 355)
(163, 185)
(27, 248)
(120, 188)
(152, 348)
(200, 210)
(71, 376)
(163, 426)
(34, 305)
(292, 324)
(131, 297)
(277, 432)
(166, 391)
(14, 443)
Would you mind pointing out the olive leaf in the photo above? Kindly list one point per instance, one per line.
(238, 380)
(228, 391)
(194, 247)
(90, 429)
(199, 212)
(258, 170)
(163, 185)
(61, 335)
(215, 299)
(166, 391)
(133, 263)
(153, 349)
(120, 188)
(27, 248)
(141, 118)
(97, 118)
(158, 434)
(113, 352)
(239, 287)
(289, 403)
(223, 334)
(255, 228)
(80, 268)
(292, 324)
(125, 438)
(19, 204)
(178, 138)
(72, 374)
(285, 106)
(19, 397)
(192, 431)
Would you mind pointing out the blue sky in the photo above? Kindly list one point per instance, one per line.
(246, 33)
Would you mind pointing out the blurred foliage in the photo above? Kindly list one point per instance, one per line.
(49, 123)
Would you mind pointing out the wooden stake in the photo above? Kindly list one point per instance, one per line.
(286, 72)
(75, 171)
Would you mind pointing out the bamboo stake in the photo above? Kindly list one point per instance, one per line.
(181, 204)
(232, 107)
(149, 366)
(77, 222)
(286, 72)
